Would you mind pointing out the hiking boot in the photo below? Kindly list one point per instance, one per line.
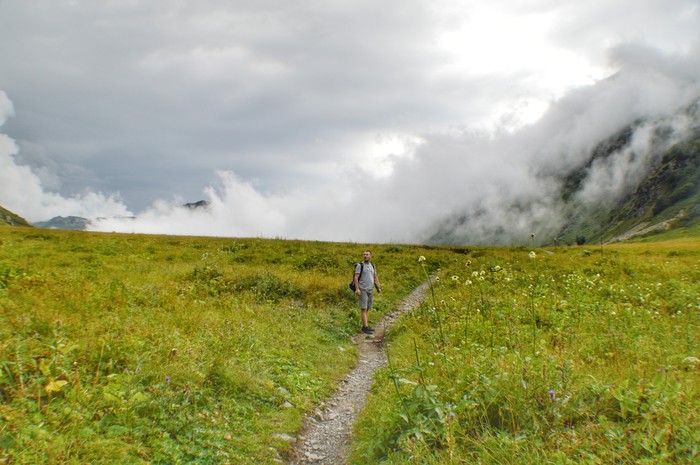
(367, 330)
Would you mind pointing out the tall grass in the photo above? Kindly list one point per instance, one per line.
(556, 356)
(160, 349)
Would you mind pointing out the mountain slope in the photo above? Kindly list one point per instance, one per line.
(74, 223)
(11, 219)
(667, 196)
(643, 177)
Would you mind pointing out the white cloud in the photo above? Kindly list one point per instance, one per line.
(336, 120)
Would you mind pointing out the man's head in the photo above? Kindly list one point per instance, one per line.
(367, 255)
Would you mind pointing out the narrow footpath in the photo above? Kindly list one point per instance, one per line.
(327, 434)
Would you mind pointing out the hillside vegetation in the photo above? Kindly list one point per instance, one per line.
(161, 349)
(8, 218)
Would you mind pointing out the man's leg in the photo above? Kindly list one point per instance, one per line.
(365, 320)
(365, 304)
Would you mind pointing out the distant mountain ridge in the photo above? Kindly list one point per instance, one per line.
(77, 223)
(73, 223)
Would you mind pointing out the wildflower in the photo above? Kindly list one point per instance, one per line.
(497, 268)
(469, 263)
(421, 259)
(167, 378)
(455, 278)
(552, 394)
(532, 235)
(452, 416)
(532, 254)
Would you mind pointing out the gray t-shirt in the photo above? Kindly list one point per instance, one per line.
(366, 281)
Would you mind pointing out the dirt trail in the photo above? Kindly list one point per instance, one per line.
(327, 433)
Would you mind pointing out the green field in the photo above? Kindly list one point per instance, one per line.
(120, 348)
(558, 356)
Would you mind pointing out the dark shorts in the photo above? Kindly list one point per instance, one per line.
(365, 299)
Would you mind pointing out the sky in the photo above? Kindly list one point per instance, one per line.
(331, 120)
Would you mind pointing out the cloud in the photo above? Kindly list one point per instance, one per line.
(479, 188)
(340, 120)
(22, 189)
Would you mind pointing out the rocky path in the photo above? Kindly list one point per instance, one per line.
(327, 433)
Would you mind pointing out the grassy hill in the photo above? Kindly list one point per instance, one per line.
(10, 219)
(140, 349)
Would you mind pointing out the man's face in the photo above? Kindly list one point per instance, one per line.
(367, 255)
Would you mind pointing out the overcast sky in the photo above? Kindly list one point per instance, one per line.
(336, 120)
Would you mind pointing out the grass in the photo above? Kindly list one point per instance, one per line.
(161, 349)
(557, 356)
(120, 348)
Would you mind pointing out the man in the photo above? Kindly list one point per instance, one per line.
(365, 281)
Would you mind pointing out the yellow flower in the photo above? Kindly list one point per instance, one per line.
(421, 259)
(532, 255)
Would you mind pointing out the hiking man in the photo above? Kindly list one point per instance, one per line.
(365, 281)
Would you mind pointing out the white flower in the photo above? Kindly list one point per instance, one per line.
(532, 254)
(421, 259)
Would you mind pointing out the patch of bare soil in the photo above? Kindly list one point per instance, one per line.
(327, 434)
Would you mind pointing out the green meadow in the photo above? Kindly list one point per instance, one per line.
(118, 348)
(557, 356)
(160, 349)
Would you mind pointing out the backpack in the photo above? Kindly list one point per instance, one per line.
(352, 281)
(362, 268)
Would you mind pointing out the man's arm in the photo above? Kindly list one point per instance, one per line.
(357, 284)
